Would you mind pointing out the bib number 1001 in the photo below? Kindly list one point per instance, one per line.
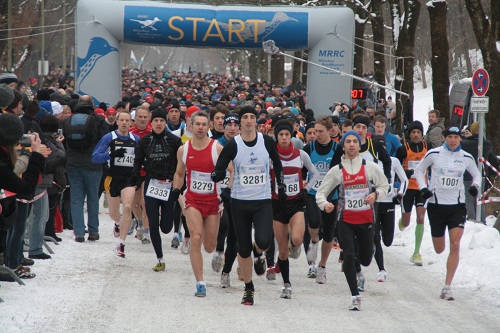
(449, 182)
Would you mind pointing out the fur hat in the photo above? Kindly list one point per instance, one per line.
(6, 95)
(11, 129)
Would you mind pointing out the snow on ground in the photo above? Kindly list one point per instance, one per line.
(87, 288)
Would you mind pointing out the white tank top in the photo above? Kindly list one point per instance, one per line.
(251, 175)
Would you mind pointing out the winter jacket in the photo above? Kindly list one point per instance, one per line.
(434, 134)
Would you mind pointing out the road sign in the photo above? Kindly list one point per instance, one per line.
(479, 104)
(480, 82)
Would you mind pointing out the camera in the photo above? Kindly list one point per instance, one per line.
(26, 140)
(60, 132)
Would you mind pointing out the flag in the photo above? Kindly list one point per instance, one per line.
(132, 56)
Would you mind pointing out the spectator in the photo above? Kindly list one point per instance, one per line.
(433, 137)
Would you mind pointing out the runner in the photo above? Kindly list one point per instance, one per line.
(251, 202)
(446, 193)
(324, 153)
(157, 152)
(141, 127)
(195, 160)
(117, 148)
(288, 217)
(410, 154)
(361, 183)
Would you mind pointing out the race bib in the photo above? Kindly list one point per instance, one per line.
(158, 189)
(355, 199)
(253, 175)
(127, 160)
(450, 178)
(318, 182)
(201, 183)
(292, 185)
(225, 182)
(412, 165)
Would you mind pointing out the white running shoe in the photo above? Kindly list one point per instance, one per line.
(312, 252)
(321, 275)
(145, 238)
(446, 294)
(294, 251)
(355, 303)
(312, 271)
(381, 276)
(224, 280)
(286, 291)
(186, 245)
(217, 261)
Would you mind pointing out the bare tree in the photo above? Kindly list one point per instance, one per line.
(438, 11)
(487, 31)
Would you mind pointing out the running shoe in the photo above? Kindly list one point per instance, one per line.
(294, 251)
(175, 242)
(381, 276)
(120, 250)
(217, 261)
(416, 259)
(139, 234)
(271, 274)
(116, 230)
(133, 226)
(321, 275)
(312, 252)
(361, 281)
(186, 245)
(259, 265)
(277, 269)
(240, 274)
(446, 294)
(160, 266)
(201, 290)
(247, 297)
(312, 271)
(145, 238)
(400, 224)
(355, 303)
(224, 280)
(286, 291)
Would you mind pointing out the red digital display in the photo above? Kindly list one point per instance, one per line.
(358, 93)
(458, 110)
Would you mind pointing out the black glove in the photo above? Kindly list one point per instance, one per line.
(426, 194)
(174, 194)
(225, 195)
(282, 194)
(120, 152)
(409, 173)
(303, 196)
(473, 191)
(133, 180)
(397, 199)
(217, 176)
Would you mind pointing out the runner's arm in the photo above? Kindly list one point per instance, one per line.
(227, 154)
(275, 158)
(101, 150)
(332, 179)
(398, 169)
(474, 171)
(180, 171)
(306, 160)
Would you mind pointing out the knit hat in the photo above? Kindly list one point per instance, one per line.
(361, 120)
(43, 95)
(173, 105)
(99, 111)
(231, 118)
(262, 121)
(159, 113)
(283, 124)
(416, 125)
(8, 78)
(474, 128)
(454, 130)
(335, 119)
(348, 134)
(56, 108)
(192, 109)
(6, 95)
(310, 125)
(247, 109)
(111, 111)
(11, 129)
(40, 114)
(294, 110)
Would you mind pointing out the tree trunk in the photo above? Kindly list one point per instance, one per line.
(421, 63)
(440, 60)
(358, 54)
(404, 39)
(277, 69)
(297, 67)
(304, 67)
(487, 31)
(378, 45)
(253, 65)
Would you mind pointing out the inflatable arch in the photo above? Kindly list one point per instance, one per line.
(328, 33)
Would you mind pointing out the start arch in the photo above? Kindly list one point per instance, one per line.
(328, 33)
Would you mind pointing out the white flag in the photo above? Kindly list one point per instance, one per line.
(132, 56)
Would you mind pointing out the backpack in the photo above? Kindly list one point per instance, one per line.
(80, 131)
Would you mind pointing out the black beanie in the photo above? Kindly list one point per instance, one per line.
(159, 113)
(361, 120)
(247, 109)
(11, 129)
(416, 125)
(310, 125)
(283, 124)
(43, 95)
